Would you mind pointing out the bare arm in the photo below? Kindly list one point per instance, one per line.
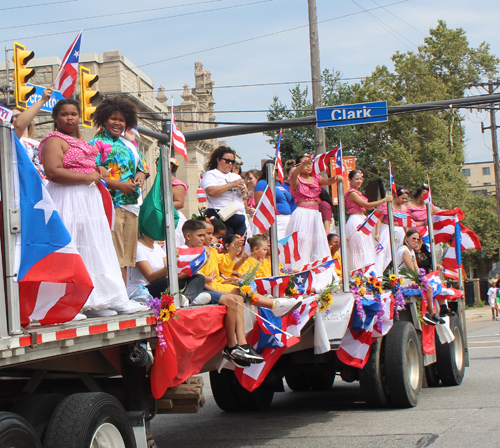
(178, 193)
(235, 247)
(368, 205)
(147, 271)
(327, 226)
(409, 263)
(218, 190)
(331, 180)
(26, 117)
(293, 180)
(377, 228)
(53, 154)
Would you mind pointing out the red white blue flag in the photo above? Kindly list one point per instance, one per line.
(288, 248)
(265, 214)
(322, 161)
(402, 220)
(427, 196)
(66, 79)
(178, 139)
(391, 179)
(266, 285)
(468, 238)
(378, 248)
(444, 224)
(54, 283)
(370, 222)
(191, 259)
(279, 162)
(424, 234)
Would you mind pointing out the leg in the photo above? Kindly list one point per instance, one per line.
(158, 287)
(236, 225)
(230, 320)
(194, 286)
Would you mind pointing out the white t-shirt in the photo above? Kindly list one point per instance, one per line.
(399, 255)
(492, 297)
(215, 178)
(153, 256)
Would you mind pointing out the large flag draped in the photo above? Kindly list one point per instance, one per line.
(66, 79)
(54, 283)
(444, 224)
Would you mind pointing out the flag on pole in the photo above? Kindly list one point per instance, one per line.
(265, 214)
(288, 248)
(339, 168)
(378, 248)
(369, 224)
(54, 283)
(424, 234)
(191, 259)
(402, 220)
(265, 285)
(451, 273)
(444, 224)
(427, 196)
(66, 78)
(322, 161)
(391, 179)
(178, 139)
(469, 238)
(279, 162)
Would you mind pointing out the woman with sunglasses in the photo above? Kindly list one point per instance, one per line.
(223, 187)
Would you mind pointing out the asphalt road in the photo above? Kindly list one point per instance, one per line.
(463, 416)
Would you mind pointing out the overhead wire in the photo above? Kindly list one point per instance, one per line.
(40, 4)
(400, 19)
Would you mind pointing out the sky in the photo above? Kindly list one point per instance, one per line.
(165, 38)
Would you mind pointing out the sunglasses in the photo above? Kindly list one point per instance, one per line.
(232, 161)
(216, 245)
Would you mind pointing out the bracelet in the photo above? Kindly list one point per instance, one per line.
(232, 245)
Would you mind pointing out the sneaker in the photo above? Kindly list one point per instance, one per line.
(130, 307)
(251, 354)
(100, 313)
(184, 301)
(236, 356)
(428, 319)
(203, 298)
(445, 311)
(438, 319)
(78, 317)
(286, 306)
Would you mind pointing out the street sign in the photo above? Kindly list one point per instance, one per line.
(48, 106)
(351, 114)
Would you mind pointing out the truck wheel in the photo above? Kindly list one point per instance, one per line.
(89, 420)
(224, 390)
(298, 382)
(37, 409)
(321, 381)
(403, 365)
(450, 357)
(16, 432)
(372, 377)
(432, 375)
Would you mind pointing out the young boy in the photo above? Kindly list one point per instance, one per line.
(237, 350)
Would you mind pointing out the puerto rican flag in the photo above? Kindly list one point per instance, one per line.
(391, 179)
(427, 196)
(402, 220)
(451, 273)
(370, 222)
(314, 264)
(178, 139)
(303, 282)
(322, 161)
(266, 285)
(444, 224)
(200, 192)
(288, 248)
(54, 283)
(270, 346)
(468, 238)
(279, 162)
(424, 234)
(435, 283)
(378, 248)
(464, 239)
(191, 259)
(66, 79)
(339, 168)
(265, 214)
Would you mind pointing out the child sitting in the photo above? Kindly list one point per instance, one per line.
(259, 250)
(233, 256)
(237, 350)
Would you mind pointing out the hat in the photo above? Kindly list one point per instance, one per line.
(174, 161)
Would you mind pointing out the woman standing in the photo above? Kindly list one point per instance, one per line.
(251, 179)
(283, 199)
(224, 188)
(70, 166)
(360, 247)
(417, 207)
(179, 193)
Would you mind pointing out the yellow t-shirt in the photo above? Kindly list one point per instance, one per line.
(226, 264)
(339, 270)
(212, 265)
(265, 269)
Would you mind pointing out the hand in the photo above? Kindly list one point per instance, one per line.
(244, 190)
(139, 178)
(103, 172)
(250, 210)
(239, 242)
(231, 281)
(244, 256)
(93, 177)
(377, 238)
(388, 198)
(238, 183)
(339, 178)
(439, 267)
(126, 187)
(47, 93)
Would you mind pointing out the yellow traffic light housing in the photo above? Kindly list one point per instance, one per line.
(22, 75)
(87, 95)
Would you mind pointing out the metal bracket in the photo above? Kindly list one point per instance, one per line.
(14, 220)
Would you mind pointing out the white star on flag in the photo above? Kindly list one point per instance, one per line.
(46, 205)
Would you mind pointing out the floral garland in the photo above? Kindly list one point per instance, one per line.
(248, 287)
(291, 290)
(325, 298)
(375, 287)
(422, 284)
(358, 291)
(164, 310)
(395, 283)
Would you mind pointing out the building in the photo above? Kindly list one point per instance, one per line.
(480, 177)
(119, 76)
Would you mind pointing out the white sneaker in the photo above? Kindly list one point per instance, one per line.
(286, 306)
(184, 301)
(203, 298)
(79, 316)
(100, 313)
(130, 307)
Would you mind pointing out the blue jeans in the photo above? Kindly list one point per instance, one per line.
(235, 225)
(215, 296)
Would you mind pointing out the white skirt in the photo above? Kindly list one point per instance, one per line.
(360, 247)
(82, 212)
(282, 224)
(179, 236)
(385, 257)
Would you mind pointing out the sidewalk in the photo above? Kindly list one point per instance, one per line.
(479, 318)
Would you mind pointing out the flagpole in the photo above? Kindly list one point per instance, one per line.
(275, 267)
(430, 226)
(343, 237)
(390, 215)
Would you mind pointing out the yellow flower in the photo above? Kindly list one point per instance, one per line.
(362, 291)
(358, 281)
(164, 315)
(171, 308)
(401, 281)
(114, 171)
(392, 277)
(293, 291)
(246, 290)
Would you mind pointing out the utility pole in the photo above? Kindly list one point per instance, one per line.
(317, 88)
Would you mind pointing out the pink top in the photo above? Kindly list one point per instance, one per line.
(307, 191)
(251, 202)
(351, 206)
(176, 181)
(418, 213)
(80, 156)
(383, 209)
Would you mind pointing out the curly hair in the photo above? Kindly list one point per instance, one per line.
(218, 153)
(116, 104)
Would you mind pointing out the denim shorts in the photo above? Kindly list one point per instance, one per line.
(215, 296)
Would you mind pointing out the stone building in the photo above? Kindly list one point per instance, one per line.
(119, 76)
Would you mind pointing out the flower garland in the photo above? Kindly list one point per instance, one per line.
(291, 291)
(358, 291)
(325, 298)
(375, 287)
(422, 284)
(395, 283)
(164, 310)
(248, 287)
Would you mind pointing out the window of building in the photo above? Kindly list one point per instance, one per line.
(466, 172)
(486, 170)
(487, 183)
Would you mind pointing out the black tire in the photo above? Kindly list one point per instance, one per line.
(321, 381)
(432, 375)
(298, 382)
(450, 357)
(372, 377)
(37, 410)
(16, 432)
(78, 417)
(257, 400)
(404, 368)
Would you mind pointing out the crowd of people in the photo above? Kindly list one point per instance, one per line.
(127, 268)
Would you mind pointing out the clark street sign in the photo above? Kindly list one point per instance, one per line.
(351, 114)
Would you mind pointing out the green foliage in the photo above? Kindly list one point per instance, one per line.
(421, 146)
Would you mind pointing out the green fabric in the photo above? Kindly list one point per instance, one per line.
(152, 214)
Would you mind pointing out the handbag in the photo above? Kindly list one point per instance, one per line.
(226, 212)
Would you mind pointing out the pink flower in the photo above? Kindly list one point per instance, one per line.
(104, 149)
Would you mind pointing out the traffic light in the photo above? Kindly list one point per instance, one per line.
(87, 95)
(22, 74)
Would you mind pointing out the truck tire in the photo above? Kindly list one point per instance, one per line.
(403, 365)
(432, 375)
(372, 377)
(16, 432)
(321, 381)
(298, 382)
(37, 410)
(450, 357)
(91, 419)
